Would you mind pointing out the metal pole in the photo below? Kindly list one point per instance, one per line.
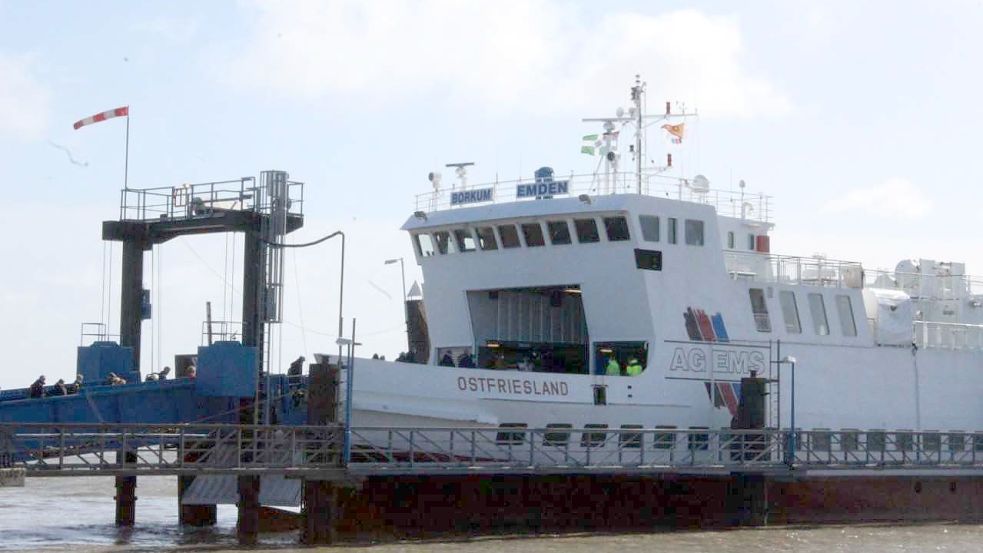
(126, 154)
(341, 294)
(347, 453)
(791, 436)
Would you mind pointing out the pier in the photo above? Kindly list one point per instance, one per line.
(742, 476)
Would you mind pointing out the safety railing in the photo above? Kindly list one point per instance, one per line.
(189, 201)
(217, 331)
(957, 336)
(787, 269)
(928, 285)
(114, 448)
(732, 203)
(146, 449)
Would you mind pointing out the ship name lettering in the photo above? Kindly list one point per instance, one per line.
(733, 361)
(514, 386)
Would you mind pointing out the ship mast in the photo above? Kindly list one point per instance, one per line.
(635, 116)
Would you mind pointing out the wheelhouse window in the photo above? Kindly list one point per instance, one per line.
(424, 244)
(464, 239)
(844, 308)
(818, 310)
(586, 231)
(443, 239)
(760, 309)
(616, 228)
(486, 239)
(694, 232)
(509, 236)
(671, 230)
(533, 233)
(750, 242)
(790, 312)
(730, 240)
(559, 232)
(650, 227)
(620, 358)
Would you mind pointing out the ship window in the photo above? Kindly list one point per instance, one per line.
(533, 234)
(876, 440)
(509, 236)
(486, 238)
(730, 240)
(671, 230)
(760, 310)
(593, 439)
(931, 441)
(790, 312)
(615, 358)
(616, 228)
(630, 439)
(957, 441)
(559, 232)
(586, 230)
(650, 260)
(750, 242)
(650, 227)
(818, 310)
(664, 440)
(442, 238)
(513, 437)
(903, 441)
(465, 240)
(977, 442)
(845, 310)
(849, 440)
(694, 232)
(699, 440)
(424, 245)
(557, 434)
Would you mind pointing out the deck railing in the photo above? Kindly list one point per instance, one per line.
(787, 269)
(957, 336)
(193, 200)
(732, 203)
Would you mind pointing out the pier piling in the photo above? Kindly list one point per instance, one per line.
(247, 528)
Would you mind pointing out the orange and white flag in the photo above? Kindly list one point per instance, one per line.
(676, 132)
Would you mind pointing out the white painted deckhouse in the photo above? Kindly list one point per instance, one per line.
(540, 294)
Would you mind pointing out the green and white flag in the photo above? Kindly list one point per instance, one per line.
(590, 144)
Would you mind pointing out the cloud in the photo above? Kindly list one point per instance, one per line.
(24, 102)
(536, 55)
(894, 198)
(174, 29)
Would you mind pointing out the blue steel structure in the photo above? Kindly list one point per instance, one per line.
(228, 381)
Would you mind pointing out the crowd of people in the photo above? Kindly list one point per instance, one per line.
(39, 387)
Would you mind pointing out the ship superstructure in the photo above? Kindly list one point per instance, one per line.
(631, 299)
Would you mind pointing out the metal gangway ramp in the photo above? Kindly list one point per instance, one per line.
(43, 449)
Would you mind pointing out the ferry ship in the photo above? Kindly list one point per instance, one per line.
(627, 299)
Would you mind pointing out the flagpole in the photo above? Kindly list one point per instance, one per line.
(126, 154)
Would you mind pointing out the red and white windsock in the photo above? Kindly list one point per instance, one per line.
(118, 112)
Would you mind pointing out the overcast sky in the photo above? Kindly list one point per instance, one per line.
(861, 118)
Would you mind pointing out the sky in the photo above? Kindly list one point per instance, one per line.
(861, 119)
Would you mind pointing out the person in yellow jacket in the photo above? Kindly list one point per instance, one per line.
(634, 368)
(613, 367)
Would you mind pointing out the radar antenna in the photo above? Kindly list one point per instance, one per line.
(460, 169)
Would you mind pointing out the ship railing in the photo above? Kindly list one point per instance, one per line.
(926, 286)
(787, 269)
(730, 203)
(955, 336)
(188, 201)
(96, 332)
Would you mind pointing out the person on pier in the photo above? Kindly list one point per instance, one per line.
(37, 388)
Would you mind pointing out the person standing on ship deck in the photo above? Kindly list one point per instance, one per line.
(613, 367)
(634, 368)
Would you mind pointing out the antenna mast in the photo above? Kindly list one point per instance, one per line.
(636, 97)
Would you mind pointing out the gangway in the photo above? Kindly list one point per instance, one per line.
(315, 451)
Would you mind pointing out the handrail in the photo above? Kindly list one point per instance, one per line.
(79, 448)
(733, 203)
